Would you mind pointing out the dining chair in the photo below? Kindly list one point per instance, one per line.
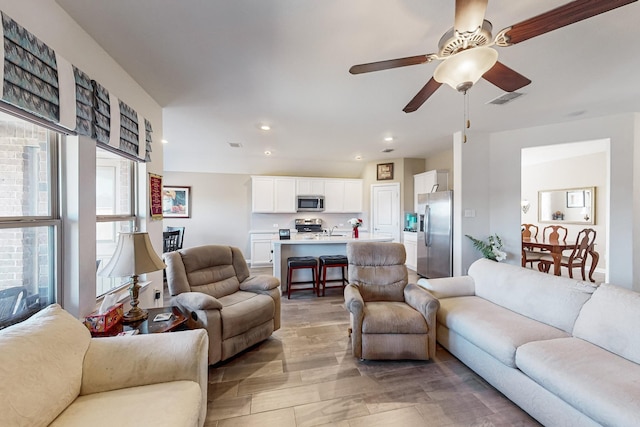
(556, 232)
(529, 231)
(578, 259)
(181, 237)
(170, 241)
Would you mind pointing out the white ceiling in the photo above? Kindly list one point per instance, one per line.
(220, 68)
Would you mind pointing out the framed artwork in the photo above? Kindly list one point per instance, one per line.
(575, 199)
(385, 171)
(155, 196)
(176, 202)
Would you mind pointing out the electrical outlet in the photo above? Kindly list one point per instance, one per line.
(156, 294)
(275, 225)
(340, 225)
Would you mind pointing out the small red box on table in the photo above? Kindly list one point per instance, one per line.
(105, 321)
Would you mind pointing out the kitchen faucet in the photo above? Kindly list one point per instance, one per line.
(331, 230)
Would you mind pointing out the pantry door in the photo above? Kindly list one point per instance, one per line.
(385, 209)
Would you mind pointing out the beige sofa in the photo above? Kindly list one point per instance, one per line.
(213, 284)
(54, 374)
(564, 350)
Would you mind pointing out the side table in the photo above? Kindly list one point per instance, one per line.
(177, 322)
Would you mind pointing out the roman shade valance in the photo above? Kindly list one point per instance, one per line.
(38, 81)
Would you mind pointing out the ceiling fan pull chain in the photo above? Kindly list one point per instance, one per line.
(466, 122)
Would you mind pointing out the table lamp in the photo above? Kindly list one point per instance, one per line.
(134, 255)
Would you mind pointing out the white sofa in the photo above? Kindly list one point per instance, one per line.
(54, 374)
(565, 351)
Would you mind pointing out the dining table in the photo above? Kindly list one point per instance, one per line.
(555, 247)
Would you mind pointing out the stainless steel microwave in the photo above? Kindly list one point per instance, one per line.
(310, 203)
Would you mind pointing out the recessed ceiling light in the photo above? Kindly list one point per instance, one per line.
(358, 157)
(388, 138)
(265, 127)
(164, 141)
(267, 153)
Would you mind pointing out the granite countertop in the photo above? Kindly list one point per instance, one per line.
(314, 239)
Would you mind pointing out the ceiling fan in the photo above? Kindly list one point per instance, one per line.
(467, 53)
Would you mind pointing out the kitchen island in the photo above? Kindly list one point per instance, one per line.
(307, 244)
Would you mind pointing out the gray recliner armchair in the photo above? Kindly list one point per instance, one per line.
(213, 285)
(390, 318)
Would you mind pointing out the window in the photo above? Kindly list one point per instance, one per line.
(115, 207)
(29, 219)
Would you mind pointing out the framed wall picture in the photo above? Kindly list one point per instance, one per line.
(575, 199)
(176, 202)
(385, 171)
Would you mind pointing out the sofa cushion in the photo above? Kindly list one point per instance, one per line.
(210, 269)
(392, 318)
(169, 404)
(550, 299)
(242, 311)
(41, 366)
(596, 382)
(610, 319)
(492, 328)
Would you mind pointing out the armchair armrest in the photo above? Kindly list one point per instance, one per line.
(425, 303)
(194, 301)
(129, 361)
(260, 283)
(355, 305)
(448, 287)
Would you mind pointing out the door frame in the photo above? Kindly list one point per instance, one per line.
(398, 234)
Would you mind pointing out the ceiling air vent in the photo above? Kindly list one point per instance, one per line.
(507, 97)
(235, 145)
(387, 150)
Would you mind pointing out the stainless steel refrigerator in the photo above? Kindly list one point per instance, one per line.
(435, 234)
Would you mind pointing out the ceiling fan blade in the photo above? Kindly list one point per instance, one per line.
(424, 94)
(469, 15)
(505, 78)
(568, 14)
(391, 63)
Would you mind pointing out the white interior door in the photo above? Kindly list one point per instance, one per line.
(385, 209)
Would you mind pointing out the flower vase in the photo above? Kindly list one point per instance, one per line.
(355, 233)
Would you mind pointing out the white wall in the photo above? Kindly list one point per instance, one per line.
(51, 24)
(504, 185)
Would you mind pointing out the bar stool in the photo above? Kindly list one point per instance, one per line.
(300, 262)
(331, 261)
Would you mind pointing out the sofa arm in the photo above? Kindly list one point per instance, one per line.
(355, 305)
(448, 287)
(427, 305)
(129, 361)
(259, 283)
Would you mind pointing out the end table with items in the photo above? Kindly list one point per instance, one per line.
(176, 322)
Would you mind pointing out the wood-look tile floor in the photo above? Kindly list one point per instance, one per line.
(305, 375)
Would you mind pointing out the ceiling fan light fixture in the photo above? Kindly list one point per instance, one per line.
(464, 69)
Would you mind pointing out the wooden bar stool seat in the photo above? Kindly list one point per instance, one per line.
(302, 262)
(332, 261)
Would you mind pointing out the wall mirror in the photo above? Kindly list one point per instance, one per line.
(569, 205)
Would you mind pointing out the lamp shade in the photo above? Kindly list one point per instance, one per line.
(464, 69)
(134, 255)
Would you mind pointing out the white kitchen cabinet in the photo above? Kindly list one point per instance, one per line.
(285, 195)
(261, 250)
(309, 186)
(273, 194)
(343, 195)
(424, 183)
(410, 241)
